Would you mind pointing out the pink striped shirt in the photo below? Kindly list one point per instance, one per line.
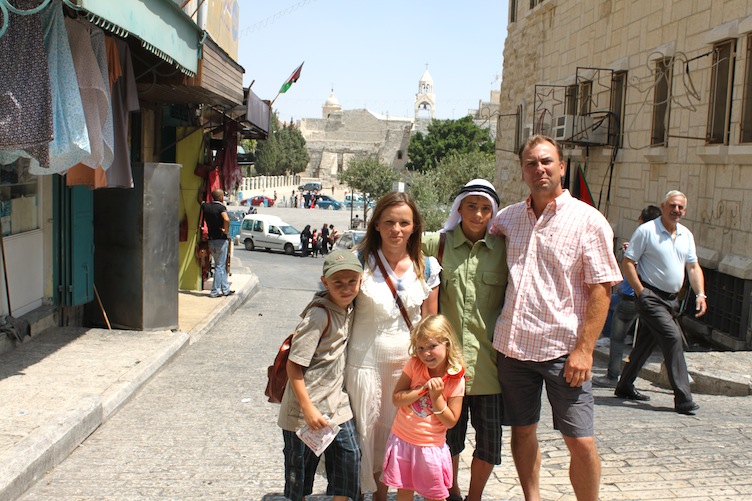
(552, 260)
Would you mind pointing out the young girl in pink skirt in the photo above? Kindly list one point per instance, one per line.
(428, 396)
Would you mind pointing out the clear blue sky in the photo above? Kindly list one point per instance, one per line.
(372, 52)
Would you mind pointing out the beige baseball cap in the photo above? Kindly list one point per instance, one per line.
(341, 260)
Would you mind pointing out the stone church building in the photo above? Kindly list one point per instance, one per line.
(340, 135)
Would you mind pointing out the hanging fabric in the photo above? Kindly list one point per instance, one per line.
(94, 93)
(25, 95)
(80, 174)
(70, 144)
(231, 172)
(124, 101)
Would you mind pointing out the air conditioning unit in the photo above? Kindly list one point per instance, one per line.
(563, 127)
(581, 129)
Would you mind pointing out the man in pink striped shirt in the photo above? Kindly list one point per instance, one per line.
(561, 269)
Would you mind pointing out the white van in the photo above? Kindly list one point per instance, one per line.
(268, 232)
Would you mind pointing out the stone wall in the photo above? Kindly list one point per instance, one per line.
(547, 44)
(343, 135)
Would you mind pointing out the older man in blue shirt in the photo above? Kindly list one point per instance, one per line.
(663, 248)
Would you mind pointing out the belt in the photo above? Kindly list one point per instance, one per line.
(663, 294)
(626, 297)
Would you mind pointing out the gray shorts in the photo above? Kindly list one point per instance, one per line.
(522, 386)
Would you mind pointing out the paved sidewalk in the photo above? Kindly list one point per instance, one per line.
(714, 372)
(63, 384)
(60, 387)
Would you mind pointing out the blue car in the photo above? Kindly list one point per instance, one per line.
(327, 202)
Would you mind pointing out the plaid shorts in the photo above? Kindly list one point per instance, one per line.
(485, 413)
(342, 465)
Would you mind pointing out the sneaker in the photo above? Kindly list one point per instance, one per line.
(228, 293)
(603, 342)
(605, 381)
(215, 294)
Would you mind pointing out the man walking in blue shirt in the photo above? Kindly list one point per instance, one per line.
(664, 248)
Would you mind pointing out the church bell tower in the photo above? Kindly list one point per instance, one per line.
(425, 101)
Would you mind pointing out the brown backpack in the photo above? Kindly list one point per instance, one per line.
(277, 372)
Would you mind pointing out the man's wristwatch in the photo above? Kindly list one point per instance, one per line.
(701, 295)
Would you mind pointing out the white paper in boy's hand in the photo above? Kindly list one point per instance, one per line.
(318, 440)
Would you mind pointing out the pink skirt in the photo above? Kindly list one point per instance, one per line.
(424, 470)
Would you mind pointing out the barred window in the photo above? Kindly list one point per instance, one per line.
(661, 102)
(746, 125)
(721, 82)
(618, 99)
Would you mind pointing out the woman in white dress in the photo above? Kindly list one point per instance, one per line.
(379, 340)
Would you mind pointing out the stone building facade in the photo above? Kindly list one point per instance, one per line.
(647, 97)
(340, 135)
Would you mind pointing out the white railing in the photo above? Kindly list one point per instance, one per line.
(266, 185)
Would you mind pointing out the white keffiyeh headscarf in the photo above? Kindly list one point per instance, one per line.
(479, 187)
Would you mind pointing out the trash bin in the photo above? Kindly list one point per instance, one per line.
(234, 228)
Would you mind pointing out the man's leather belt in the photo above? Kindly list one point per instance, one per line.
(660, 293)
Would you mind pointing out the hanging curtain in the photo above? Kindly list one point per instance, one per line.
(25, 95)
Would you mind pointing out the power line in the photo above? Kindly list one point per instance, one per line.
(273, 18)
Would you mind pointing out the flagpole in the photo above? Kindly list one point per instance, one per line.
(291, 80)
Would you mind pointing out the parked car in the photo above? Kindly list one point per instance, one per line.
(327, 202)
(350, 239)
(258, 200)
(357, 201)
(245, 158)
(236, 215)
(268, 232)
(312, 186)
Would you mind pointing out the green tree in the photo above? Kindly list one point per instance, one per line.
(284, 152)
(445, 137)
(370, 176)
(435, 191)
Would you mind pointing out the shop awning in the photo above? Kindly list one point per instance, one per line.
(258, 116)
(164, 29)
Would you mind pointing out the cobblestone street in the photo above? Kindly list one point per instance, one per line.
(202, 430)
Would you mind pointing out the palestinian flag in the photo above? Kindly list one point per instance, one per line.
(293, 78)
(582, 188)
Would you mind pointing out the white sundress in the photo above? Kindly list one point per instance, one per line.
(377, 351)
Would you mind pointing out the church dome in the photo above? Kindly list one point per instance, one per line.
(330, 106)
(332, 102)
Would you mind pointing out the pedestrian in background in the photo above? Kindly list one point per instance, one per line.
(473, 280)
(663, 248)
(324, 239)
(315, 394)
(305, 240)
(218, 223)
(561, 270)
(333, 236)
(624, 316)
(316, 243)
(399, 286)
(428, 401)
